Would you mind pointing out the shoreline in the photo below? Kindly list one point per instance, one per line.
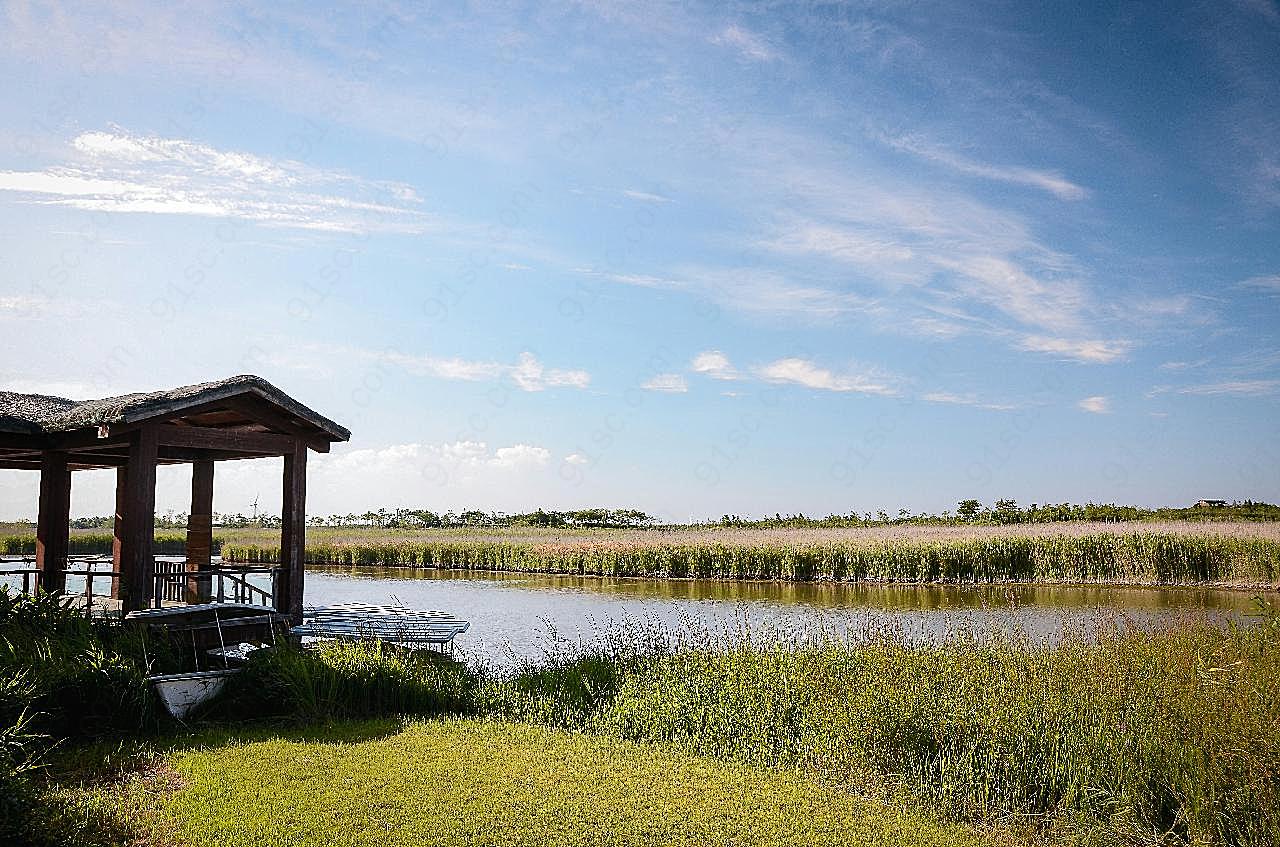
(1214, 586)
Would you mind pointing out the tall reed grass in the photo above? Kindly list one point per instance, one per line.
(1099, 557)
(93, 543)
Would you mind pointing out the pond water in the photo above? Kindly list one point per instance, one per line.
(521, 615)
(517, 615)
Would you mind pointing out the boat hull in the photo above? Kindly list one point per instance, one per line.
(183, 693)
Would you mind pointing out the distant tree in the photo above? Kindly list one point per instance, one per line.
(1007, 511)
(968, 509)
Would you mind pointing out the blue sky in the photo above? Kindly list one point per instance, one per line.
(695, 259)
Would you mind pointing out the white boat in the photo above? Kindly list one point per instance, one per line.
(181, 693)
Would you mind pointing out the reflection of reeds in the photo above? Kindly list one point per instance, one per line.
(1170, 553)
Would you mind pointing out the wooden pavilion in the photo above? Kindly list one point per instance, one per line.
(244, 417)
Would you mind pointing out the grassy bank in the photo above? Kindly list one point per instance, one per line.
(473, 782)
(1117, 556)
(1162, 736)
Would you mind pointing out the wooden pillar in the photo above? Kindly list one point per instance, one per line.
(293, 534)
(137, 560)
(117, 541)
(200, 533)
(53, 524)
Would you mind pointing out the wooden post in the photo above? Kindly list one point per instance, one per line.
(137, 560)
(293, 534)
(200, 533)
(117, 541)
(53, 524)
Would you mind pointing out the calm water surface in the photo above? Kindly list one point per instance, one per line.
(516, 615)
(521, 615)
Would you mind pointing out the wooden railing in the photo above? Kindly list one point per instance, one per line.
(170, 584)
(241, 590)
(31, 575)
(221, 584)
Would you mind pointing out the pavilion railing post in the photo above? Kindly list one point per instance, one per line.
(293, 526)
(117, 542)
(137, 559)
(53, 524)
(200, 533)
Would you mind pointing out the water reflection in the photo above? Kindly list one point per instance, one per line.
(516, 615)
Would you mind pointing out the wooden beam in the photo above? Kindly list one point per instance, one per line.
(256, 409)
(137, 560)
(200, 533)
(117, 542)
(293, 534)
(208, 438)
(53, 525)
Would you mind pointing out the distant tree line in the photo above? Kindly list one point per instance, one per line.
(966, 512)
(413, 519)
(1009, 512)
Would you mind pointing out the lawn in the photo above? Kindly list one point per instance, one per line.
(473, 782)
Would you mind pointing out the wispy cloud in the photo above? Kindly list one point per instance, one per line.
(804, 372)
(641, 280)
(1094, 351)
(1050, 181)
(1238, 388)
(667, 383)
(1269, 283)
(1096, 405)
(748, 44)
(947, 398)
(120, 172)
(527, 373)
(459, 458)
(714, 364)
(1178, 366)
(646, 196)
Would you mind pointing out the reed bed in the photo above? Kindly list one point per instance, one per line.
(1165, 736)
(1163, 555)
(92, 543)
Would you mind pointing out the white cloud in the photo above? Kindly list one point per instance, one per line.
(714, 364)
(769, 293)
(1183, 366)
(668, 383)
(1050, 181)
(1269, 283)
(576, 459)
(528, 373)
(641, 280)
(947, 398)
(120, 172)
(520, 456)
(804, 372)
(646, 196)
(1097, 405)
(1238, 387)
(1095, 351)
(747, 43)
(462, 459)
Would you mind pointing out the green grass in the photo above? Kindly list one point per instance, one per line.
(469, 782)
(1167, 735)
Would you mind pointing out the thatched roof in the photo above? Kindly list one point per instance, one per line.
(35, 414)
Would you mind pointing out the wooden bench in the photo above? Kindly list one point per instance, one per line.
(394, 624)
